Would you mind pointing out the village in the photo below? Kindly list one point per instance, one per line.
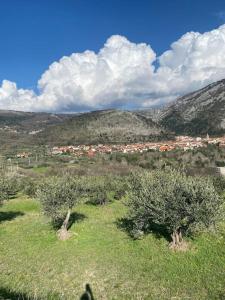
(181, 142)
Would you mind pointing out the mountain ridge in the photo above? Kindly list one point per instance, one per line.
(21, 130)
(197, 113)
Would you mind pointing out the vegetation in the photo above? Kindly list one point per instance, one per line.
(219, 184)
(178, 203)
(108, 126)
(36, 265)
(58, 196)
(8, 187)
(100, 253)
(197, 113)
(104, 189)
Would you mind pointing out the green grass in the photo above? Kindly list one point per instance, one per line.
(40, 169)
(33, 263)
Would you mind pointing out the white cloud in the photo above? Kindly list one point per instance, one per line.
(193, 61)
(123, 74)
(13, 98)
(89, 80)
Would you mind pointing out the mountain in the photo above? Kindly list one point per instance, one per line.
(150, 113)
(28, 122)
(197, 113)
(106, 126)
(18, 128)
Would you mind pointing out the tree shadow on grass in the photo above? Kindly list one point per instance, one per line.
(7, 294)
(75, 217)
(88, 294)
(9, 215)
(128, 226)
(125, 225)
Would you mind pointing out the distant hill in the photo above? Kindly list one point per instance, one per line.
(23, 130)
(197, 113)
(107, 126)
(17, 129)
(27, 122)
(150, 113)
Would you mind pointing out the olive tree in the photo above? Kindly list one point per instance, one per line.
(104, 189)
(179, 203)
(58, 196)
(3, 192)
(8, 187)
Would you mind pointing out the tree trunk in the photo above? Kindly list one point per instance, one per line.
(177, 238)
(66, 221)
(63, 233)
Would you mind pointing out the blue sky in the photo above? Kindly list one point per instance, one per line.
(34, 34)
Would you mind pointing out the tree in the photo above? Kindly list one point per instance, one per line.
(179, 203)
(98, 190)
(104, 189)
(219, 183)
(8, 187)
(58, 196)
(3, 193)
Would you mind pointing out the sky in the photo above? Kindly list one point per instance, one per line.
(78, 55)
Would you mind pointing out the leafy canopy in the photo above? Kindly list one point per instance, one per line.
(57, 195)
(173, 200)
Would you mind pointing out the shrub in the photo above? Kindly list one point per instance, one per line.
(58, 196)
(120, 186)
(3, 192)
(29, 186)
(219, 183)
(8, 187)
(99, 190)
(174, 201)
(105, 189)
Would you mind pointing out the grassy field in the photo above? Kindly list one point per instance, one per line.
(35, 265)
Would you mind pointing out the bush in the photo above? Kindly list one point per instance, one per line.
(29, 186)
(174, 201)
(98, 190)
(120, 186)
(219, 183)
(105, 189)
(58, 196)
(8, 187)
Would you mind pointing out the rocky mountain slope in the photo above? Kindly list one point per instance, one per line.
(107, 126)
(28, 122)
(197, 113)
(19, 130)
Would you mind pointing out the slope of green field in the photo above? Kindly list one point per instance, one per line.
(35, 265)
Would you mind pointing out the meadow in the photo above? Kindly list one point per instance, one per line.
(34, 264)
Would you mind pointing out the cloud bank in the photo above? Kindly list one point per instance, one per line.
(123, 74)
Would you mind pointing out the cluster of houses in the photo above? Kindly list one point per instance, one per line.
(181, 142)
(23, 155)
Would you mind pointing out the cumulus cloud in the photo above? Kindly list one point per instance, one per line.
(122, 74)
(13, 98)
(114, 76)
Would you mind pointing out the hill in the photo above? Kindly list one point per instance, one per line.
(198, 113)
(28, 122)
(107, 126)
(17, 129)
